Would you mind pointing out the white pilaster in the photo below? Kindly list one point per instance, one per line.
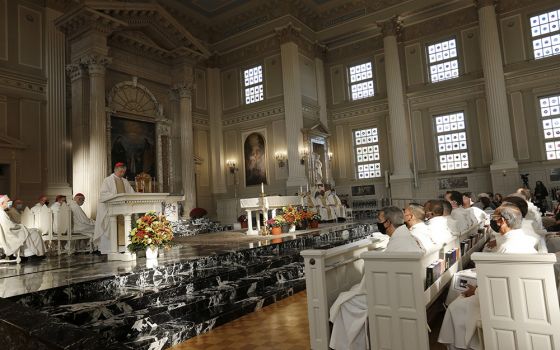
(184, 90)
(57, 181)
(496, 99)
(401, 178)
(216, 134)
(97, 162)
(321, 88)
(293, 106)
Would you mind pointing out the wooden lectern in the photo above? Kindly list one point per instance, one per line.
(127, 204)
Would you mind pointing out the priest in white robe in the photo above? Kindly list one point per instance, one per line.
(334, 201)
(464, 218)
(437, 223)
(533, 212)
(43, 200)
(451, 223)
(414, 216)
(349, 312)
(16, 237)
(112, 185)
(80, 221)
(459, 324)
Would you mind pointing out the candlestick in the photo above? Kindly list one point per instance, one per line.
(307, 186)
(300, 189)
(262, 187)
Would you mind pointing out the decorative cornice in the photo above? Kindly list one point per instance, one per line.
(440, 95)
(245, 116)
(200, 120)
(19, 82)
(359, 111)
(319, 50)
(83, 19)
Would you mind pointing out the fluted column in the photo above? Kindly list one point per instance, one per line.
(184, 91)
(97, 162)
(80, 131)
(496, 99)
(321, 86)
(216, 134)
(293, 106)
(401, 178)
(57, 180)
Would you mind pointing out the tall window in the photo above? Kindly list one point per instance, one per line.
(366, 150)
(361, 81)
(452, 141)
(253, 85)
(550, 113)
(545, 30)
(442, 58)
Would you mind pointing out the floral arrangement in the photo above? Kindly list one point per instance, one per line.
(315, 216)
(198, 213)
(293, 215)
(152, 230)
(276, 221)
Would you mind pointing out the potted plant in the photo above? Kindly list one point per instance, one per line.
(198, 213)
(152, 232)
(315, 218)
(276, 224)
(242, 219)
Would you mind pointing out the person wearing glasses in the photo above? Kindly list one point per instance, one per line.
(459, 323)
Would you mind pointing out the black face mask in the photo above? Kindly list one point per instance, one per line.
(381, 227)
(494, 225)
(47, 203)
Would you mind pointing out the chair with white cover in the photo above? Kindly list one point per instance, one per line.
(27, 218)
(62, 229)
(349, 214)
(43, 221)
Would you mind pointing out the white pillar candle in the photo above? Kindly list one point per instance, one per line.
(262, 187)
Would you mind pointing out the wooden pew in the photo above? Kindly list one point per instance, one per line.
(327, 273)
(518, 301)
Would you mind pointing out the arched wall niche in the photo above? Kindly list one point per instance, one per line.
(133, 103)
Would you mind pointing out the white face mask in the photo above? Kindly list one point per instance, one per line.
(10, 204)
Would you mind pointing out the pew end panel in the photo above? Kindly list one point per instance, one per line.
(518, 301)
(329, 272)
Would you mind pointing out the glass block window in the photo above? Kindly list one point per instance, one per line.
(253, 85)
(366, 151)
(361, 81)
(442, 59)
(451, 134)
(550, 113)
(545, 30)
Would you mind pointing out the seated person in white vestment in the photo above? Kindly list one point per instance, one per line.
(459, 324)
(112, 185)
(43, 200)
(80, 221)
(58, 202)
(14, 237)
(437, 223)
(336, 205)
(414, 216)
(451, 223)
(349, 312)
(461, 215)
(533, 212)
(478, 214)
(15, 211)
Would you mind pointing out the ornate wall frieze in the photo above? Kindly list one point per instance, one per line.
(23, 83)
(200, 120)
(359, 111)
(246, 116)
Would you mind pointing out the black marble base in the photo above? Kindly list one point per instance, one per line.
(158, 307)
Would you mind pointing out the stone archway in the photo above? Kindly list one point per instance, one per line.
(129, 99)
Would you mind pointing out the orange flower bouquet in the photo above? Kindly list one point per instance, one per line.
(152, 230)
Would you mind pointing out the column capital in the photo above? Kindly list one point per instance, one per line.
(96, 64)
(319, 50)
(288, 33)
(390, 27)
(484, 3)
(183, 89)
(75, 71)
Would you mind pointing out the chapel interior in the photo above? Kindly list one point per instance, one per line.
(386, 102)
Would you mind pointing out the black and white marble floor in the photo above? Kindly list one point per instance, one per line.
(197, 286)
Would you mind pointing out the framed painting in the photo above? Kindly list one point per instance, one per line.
(133, 142)
(254, 156)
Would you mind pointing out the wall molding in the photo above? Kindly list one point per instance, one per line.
(245, 116)
(23, 83)
(380, 107)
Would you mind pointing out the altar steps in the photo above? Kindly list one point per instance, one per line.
(159, 307)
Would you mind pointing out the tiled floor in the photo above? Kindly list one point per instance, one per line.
(280, 326)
